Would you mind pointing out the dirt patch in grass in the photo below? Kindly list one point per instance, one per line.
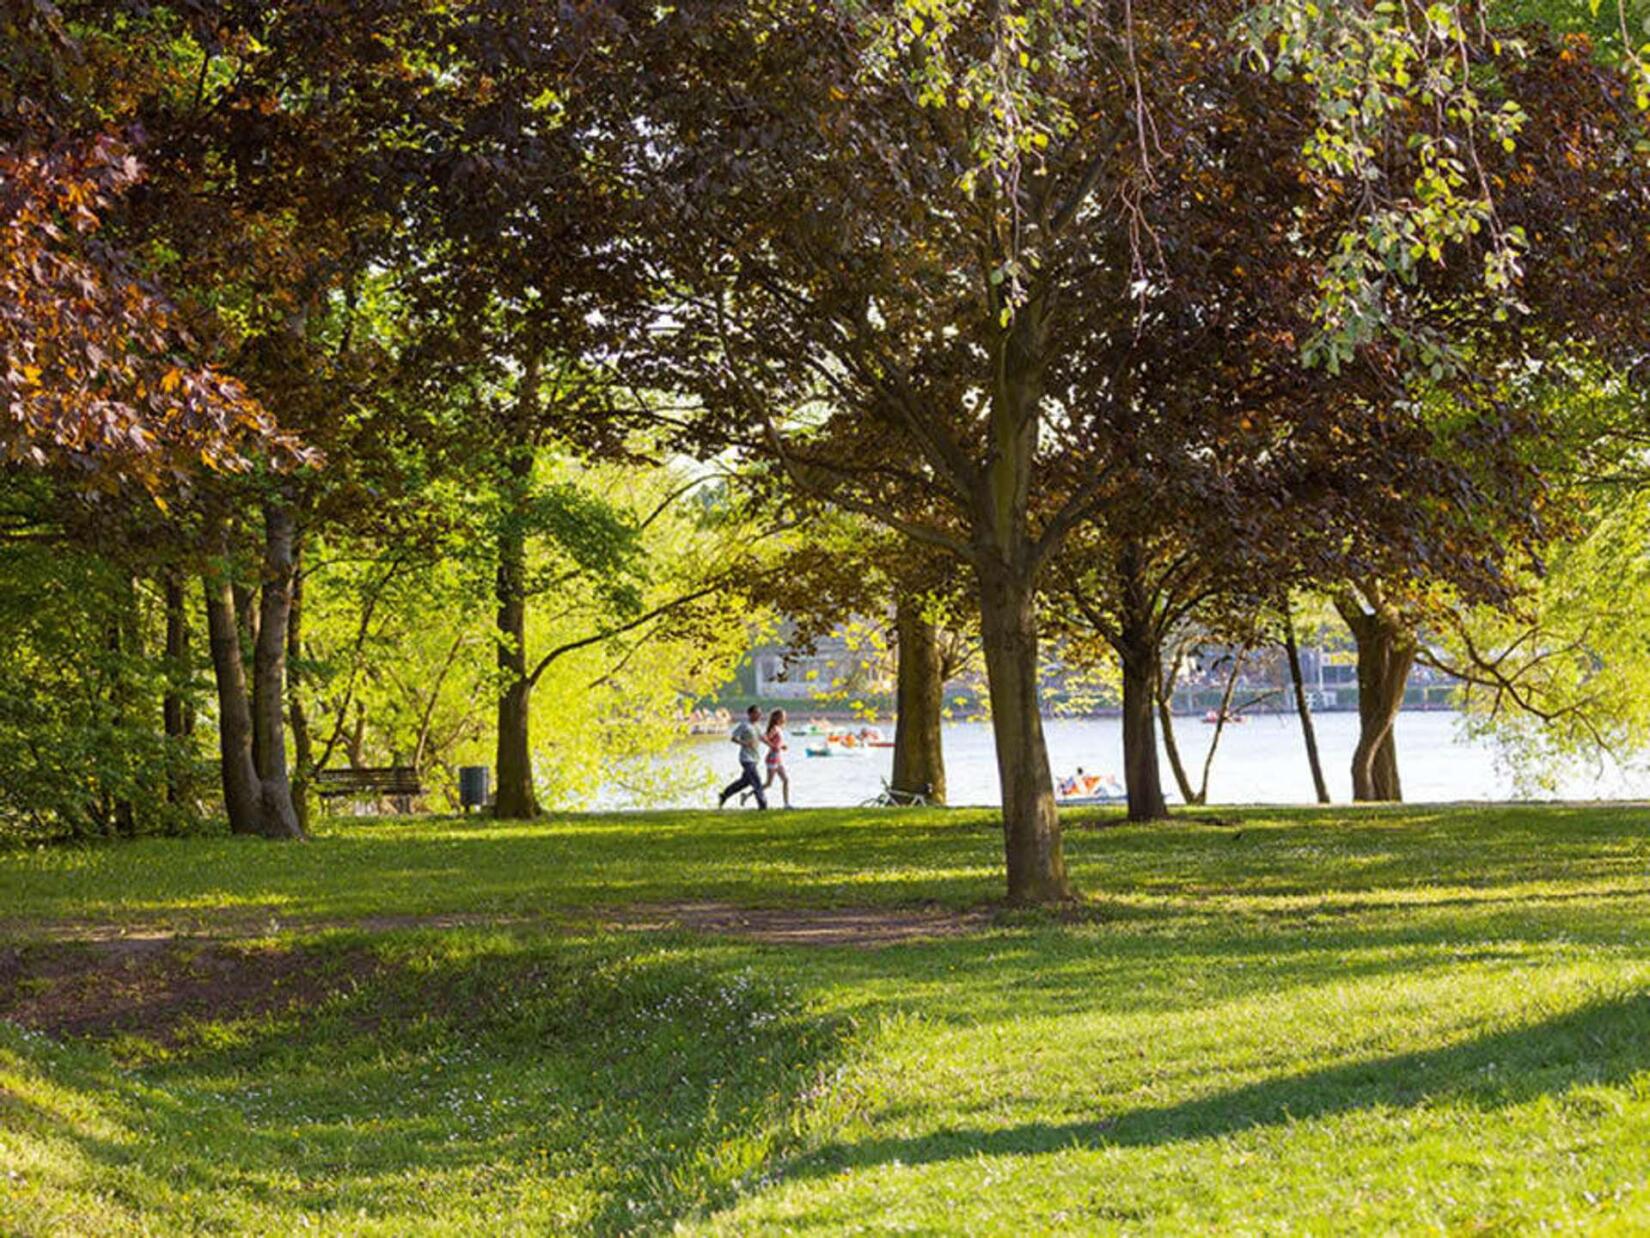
(793, 926)
(802, 926)
(156, 988)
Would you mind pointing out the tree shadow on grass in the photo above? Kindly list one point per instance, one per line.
(634, 1089)
(1601, 1044)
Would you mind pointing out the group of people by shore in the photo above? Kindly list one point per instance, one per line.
(752, 737)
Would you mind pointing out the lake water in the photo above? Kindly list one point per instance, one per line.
(1261, 761)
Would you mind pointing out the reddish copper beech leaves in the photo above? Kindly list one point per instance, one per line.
(99, 377)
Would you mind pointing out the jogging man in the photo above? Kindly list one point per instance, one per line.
(748, 736)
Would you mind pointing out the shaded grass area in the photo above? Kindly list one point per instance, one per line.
(471, 1081)
(1312, 1021)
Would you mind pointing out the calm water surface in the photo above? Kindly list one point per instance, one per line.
(1262, 761)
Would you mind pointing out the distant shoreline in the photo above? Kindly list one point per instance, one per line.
(800, 715)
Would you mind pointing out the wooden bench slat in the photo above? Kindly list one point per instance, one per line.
(385, 780)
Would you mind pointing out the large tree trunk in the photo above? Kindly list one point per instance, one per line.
(919, 760)
(1386, 652)
(240, 775)
(303, 742)
(1303, 707)
(280, 818)
(1142, 777)
(1031, 822)
(515, 799)
(177, 719)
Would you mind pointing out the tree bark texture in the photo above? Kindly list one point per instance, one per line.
(1137, 650)
(241, 793)
(280, 817)
(1005, 559)
(1031, 822)
(515, 799)
(303, 742)
(919, 759)
(1386, 652)
(246, 620)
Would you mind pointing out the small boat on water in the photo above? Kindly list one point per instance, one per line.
(830, 748)
(1232, 719)
(708, 722)
(1082, 790)
(848, 743)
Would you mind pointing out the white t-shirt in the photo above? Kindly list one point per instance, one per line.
(744, 734)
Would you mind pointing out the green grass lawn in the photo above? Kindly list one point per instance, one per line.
(1297, 1021)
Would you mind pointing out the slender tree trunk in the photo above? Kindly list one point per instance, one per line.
(303, 743)
(426, 717)
(1303, 706)
(280, 818)
(1137, 650)
(1031, 822)
(355, 739)
(176, 717)
(515, 799)
(1220, 726)
(919, 759)
(241, 791)
(125, 646)
(1386, 652)
(1165, 720)
(246, 623)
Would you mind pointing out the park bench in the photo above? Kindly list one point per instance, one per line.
(396, 783)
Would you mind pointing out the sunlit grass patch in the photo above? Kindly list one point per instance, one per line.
(1283, 1021)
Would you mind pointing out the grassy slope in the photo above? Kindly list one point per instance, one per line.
(1322, 1021)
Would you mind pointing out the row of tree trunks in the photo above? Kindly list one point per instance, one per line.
(1165, 716)
(251, 731)
(919, 760)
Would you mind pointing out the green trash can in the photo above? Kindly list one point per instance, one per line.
(474, 788)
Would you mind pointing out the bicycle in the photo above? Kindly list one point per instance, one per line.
(892, 797)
